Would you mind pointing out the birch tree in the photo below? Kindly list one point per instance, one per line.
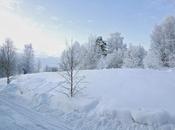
(69, 65)
(8, 58)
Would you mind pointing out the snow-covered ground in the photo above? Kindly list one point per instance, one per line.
(115, 99)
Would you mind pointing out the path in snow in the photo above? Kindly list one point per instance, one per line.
(18, 117)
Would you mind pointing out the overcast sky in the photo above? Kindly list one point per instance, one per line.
(48, 23)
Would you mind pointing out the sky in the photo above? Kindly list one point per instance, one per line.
(47, 24)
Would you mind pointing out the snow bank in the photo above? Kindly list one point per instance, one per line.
(114, 99)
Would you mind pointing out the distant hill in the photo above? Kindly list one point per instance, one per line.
(48, 61)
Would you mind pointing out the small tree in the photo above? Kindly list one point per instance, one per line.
(28, 59)
(101, 46)
(38, 66)
(70, 72)
(8, 59)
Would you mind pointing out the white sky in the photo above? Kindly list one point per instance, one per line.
(48, 23)
(23, 30)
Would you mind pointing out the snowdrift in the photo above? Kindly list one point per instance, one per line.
(115, 99)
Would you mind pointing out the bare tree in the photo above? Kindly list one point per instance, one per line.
(1, 66)
(69, 65)
(8, 58)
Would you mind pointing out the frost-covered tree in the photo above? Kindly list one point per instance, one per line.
(50, 69)
(152, 60)
(1, 67)
(163, 42)
(116, 49)
(38, 66)
(8, 59)
(90, 54)
(116, 42)
(115, 59)
(75, 47)
(46, 69)
(102, 50)
(134, 57)
(70, 70)
(172, 60)
(101, 46)
(28, 59)
(1, 71)
(19, 64)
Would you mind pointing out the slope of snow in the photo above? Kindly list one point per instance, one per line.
(114, 99)
(17, 117)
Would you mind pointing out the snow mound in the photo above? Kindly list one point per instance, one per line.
(115, 99)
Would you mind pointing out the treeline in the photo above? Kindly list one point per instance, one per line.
(114, 53)
(12, 63)
(98, 53)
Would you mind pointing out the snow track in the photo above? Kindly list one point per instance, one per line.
(22, 118)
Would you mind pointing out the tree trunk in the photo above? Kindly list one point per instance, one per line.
(71, 84)
(71, 72)
(8, 79)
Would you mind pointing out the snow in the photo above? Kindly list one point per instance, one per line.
(17, 117)
(115, 99)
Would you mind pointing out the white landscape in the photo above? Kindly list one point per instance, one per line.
(121, 99)
(87, 64)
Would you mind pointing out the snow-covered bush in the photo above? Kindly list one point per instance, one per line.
(115, 59)
(152, 60)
